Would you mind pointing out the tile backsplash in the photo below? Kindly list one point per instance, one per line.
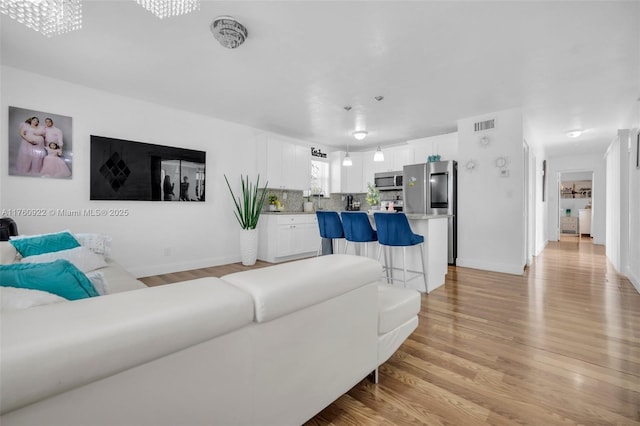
(294, 200)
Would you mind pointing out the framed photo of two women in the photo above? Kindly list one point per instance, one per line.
(40, 144)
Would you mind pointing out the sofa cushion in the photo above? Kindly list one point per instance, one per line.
(8, 253)
(396, 306)
(81, 257)
(288, 287)
(32, 245)
(119, 279)
(12, 298)
(59, 277)
(97, 243)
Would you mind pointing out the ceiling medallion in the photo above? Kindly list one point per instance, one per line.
(228, 31)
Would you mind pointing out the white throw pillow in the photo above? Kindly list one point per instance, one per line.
(8, 253)
(81, 257)
(99, 282)
(97, 243)
(13, 298)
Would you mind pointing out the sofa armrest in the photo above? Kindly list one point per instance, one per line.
(288, 287)
(50, 349)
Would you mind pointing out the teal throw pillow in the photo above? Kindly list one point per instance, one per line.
(59, 277)
(45, 243)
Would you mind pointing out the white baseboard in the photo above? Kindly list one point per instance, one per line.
(542, 247)
(635, 280)
(507, 268)
(167, 268)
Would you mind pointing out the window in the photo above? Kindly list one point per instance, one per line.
(319, 178)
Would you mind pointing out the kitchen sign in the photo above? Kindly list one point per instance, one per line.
(315, 152)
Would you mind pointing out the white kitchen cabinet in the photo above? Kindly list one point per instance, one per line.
(284, 164)
(285, 237)
(584, 222)
(395, 158)
(302, 168)
(402, 156)
(569, 224)
(347, 179)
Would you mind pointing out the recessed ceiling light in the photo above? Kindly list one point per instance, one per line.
(574, 133)
(360, 134)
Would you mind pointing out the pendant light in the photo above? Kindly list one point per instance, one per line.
(378, 156)
(346, 162)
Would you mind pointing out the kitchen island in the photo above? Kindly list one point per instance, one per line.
(435, 232)
(434, 229)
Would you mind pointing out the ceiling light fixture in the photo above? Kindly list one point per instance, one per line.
(52, 17)
(574, 133)
(168, 8)
(228, 31)
(360, 134)
(378, 98)
(378, 157)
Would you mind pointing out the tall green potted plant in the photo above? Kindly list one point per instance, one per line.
(248, 209)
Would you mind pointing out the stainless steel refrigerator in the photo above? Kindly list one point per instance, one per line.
(431, 189)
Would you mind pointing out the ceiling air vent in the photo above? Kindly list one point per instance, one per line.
(484, 125)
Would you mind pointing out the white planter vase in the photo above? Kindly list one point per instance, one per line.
(248, 246)
(307, 206)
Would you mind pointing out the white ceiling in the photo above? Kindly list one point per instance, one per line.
(567, 64)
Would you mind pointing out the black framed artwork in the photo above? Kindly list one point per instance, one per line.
(40, 144)
(128, 170)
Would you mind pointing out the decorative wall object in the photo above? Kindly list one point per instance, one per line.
(127, 170)
(638, 150)
(40, 144)
(544, 180)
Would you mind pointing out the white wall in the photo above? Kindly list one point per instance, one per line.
(490, 207)
(195, 234)
(613, 203)
(633, 268)
(577, 163)
(623, 205)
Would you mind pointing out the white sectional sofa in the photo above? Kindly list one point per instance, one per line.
(270, 346)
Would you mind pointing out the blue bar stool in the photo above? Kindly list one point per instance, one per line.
(358, 229)
(330, 227)
(394, 231)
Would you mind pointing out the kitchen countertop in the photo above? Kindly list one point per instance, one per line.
(409, 216)
(427, 216)
(287, 212)
(414, 216)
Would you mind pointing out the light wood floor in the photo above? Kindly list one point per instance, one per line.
(559, 345)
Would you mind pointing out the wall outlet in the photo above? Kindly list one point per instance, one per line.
(504, 173)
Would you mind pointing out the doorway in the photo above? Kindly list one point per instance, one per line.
(575, 192)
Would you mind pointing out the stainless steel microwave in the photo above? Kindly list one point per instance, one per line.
(388, 181)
